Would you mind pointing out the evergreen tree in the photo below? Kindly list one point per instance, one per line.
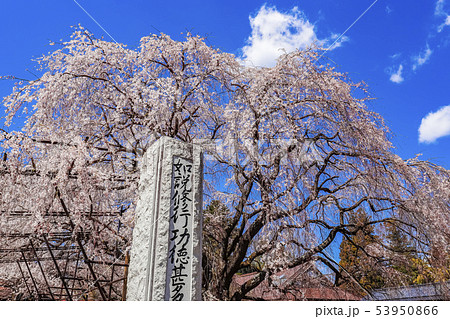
(413, 267)
(402, 265)
(404, 258)
(440, 262)
(354, 258)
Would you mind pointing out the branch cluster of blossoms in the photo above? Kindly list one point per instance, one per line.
(303, 151)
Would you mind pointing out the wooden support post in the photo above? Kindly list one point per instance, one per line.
(42, 270)
(24, 279)
(124, 288)
(31, 276)
(83, 251)
(57, 268)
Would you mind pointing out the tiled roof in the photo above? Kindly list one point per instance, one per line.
(5, 293)
(303, 282)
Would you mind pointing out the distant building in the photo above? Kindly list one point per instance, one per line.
(432, 291)
(304, 282)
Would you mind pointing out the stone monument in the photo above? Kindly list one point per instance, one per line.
(166, 251)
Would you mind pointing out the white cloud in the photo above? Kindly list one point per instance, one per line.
(336, 42)
(274, 33)
(422, 58)
(446, 23)
(395, 56)
(397, 76)
(435, 125)
(440, 12)
(439, 8)
(416, 61)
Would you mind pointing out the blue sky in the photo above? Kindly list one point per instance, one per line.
(402, 51)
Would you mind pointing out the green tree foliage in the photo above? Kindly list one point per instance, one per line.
(440, 262)
(431, 265)
(359, 268)
(400, 264)
(215, 214)
(404, 260)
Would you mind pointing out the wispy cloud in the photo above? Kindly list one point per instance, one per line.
(396, 56)
(422, 58)
(396, 77)
(275, 32)
(439, 8)
(396, 74)
(417, 60)
(336, 41)
(445, 24)
(440, 12)
(435, 125)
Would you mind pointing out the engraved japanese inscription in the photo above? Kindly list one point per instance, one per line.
(179, 264)
(166, 252)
